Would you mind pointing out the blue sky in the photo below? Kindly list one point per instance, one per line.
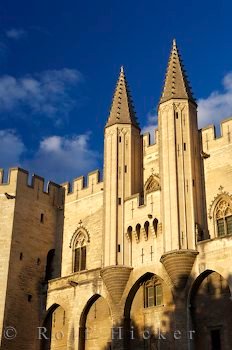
(59, 62)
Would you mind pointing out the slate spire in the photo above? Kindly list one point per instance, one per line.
(122, 109)
(176, 84)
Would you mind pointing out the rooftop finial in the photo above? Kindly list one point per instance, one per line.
(174, 42)
(122, 69)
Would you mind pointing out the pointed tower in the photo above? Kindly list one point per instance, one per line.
(180, 167)
(122, 171)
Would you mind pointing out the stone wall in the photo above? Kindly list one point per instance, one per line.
(37, 229)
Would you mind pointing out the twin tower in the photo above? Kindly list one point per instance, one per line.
(180, 167)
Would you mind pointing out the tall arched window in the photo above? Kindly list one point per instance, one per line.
(79, 252)
(223, 216)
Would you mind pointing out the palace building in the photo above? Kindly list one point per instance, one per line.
(140, 260)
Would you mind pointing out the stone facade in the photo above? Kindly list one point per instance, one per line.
(140, 260)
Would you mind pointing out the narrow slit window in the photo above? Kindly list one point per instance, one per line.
(42, 218)
(229, 224)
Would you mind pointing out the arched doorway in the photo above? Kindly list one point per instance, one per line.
(54, 332)
(95, 325)
(148, 313)
(211, 310)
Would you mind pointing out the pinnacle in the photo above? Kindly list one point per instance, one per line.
(122, 110)
(176, 82)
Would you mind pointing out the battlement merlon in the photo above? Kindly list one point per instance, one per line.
(147, 138)
(18, 179)
(80, 189)
(11, 184)
(209, 139)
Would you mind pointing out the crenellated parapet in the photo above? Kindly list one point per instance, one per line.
(19, 181)
(147, 139)
(211, 142)
(150, 155)
(80, 188)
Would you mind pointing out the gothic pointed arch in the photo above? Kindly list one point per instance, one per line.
(95, 325)
(55, 326)
(152, 184)
(149, 295)
(81, 234)
(210, 292)
(221, 212)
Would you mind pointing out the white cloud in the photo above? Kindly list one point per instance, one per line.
(11, 149)
(63, 158)
(217, 106)
(151, 125)
(15, 33)
(57, 158)
(46, 93)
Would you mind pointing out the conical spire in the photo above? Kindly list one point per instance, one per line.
(176, 83)
(122, 110)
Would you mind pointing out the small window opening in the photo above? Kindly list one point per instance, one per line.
(119, 201)
(21, 256)
(119, 248)
(125, 168)
(119, 139)
(184, 146)
(153, 294)
(42, 218)
(177, 115)
(38, 261)
(29, 298)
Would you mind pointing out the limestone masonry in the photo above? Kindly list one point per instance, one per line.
(142, 260)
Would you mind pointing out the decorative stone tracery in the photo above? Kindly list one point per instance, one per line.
(80, 237)
(152, 184)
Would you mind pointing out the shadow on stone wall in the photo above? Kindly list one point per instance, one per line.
(206, 323)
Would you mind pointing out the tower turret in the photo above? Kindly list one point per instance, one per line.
(180, 166)
(122, 170)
